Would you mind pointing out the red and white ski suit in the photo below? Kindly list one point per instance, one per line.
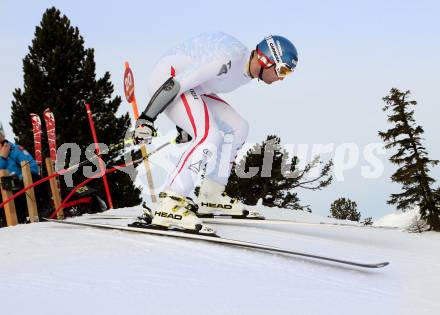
(204, 66)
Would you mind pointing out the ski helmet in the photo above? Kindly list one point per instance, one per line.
(279, 51)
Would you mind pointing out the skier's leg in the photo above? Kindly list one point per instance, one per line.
(235, 129)
(191, 113)
(212, 197)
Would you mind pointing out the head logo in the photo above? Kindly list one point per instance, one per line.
(274, 49)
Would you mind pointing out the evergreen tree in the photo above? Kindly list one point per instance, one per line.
(368, 221)
(60, 73)
(345, 209)
(277, 176)
(412, 158)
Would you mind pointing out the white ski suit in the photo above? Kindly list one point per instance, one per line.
(204, 66)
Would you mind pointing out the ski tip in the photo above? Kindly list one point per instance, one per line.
(378, 265)
(383, 264)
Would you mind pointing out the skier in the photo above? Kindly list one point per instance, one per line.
(184, 84)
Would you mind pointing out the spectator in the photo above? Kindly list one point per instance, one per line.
(11, 156)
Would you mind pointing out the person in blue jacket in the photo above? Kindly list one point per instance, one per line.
(11, 156)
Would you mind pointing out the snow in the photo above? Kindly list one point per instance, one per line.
(49, 268)
(398, 219)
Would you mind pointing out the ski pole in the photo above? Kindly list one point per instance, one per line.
(108, 171)
(131, 98)
(61, 172)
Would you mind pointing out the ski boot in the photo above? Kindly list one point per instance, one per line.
(174, 212)
(147, 215)
(213, 201)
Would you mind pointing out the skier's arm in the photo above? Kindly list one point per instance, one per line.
(145, 130)
(173, 87)
(161, 99)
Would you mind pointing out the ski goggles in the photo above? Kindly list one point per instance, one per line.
(283, 70)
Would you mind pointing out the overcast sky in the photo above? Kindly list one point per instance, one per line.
(351, 54)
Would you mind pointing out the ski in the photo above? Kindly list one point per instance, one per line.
(227, 220)
(220, 240)
(109, 217)
(223, 220)
(36, 129)
(244, 221)
(49, 119)
(231, 221)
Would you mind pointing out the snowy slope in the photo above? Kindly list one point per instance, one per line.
(48, 268)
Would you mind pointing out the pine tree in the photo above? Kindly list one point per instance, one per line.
(412, 158)
(368, 221)
(277, 178)
(345, 209)
(60, 73)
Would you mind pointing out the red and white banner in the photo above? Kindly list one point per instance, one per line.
(36, 128)
(51, 136)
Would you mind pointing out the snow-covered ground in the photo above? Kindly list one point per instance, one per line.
(398, 219)
(48, 268)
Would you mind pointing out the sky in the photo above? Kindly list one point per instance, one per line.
(351, 53)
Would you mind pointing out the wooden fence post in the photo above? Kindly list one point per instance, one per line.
(30, 194)
(54, 188)
(10, 212)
